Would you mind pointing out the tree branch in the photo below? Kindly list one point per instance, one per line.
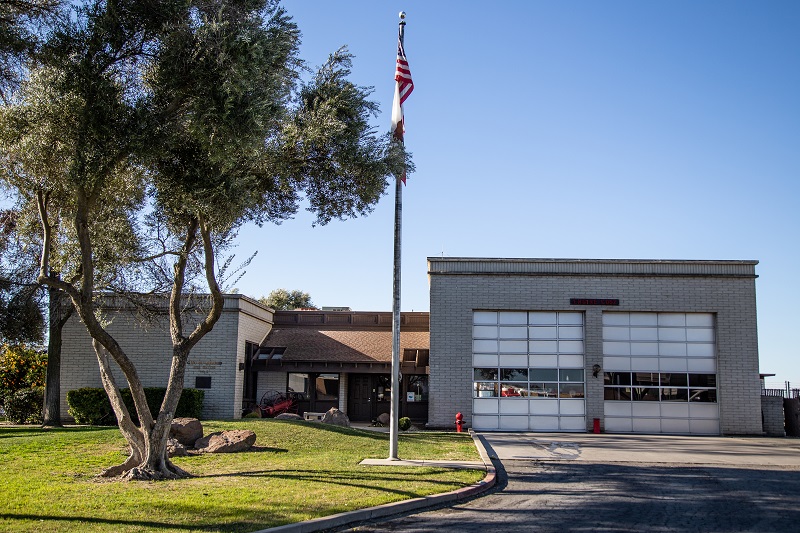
(179, 279)
(218, 300)
(44, 277)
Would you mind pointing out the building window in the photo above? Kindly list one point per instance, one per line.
(660, 387)
(327, 386)
(319, 387)
(299, 384)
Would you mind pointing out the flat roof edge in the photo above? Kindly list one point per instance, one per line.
(591, 267)
(599, 261)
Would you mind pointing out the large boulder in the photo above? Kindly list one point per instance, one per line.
(336, 417)
(186, 430)
(384, 419)
(237, 440)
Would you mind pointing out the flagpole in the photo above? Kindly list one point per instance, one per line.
(394, 414)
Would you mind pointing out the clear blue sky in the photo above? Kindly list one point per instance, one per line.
(582, 129)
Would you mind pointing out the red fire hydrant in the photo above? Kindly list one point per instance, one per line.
(459, 422)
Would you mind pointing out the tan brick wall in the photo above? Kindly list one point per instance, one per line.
(148, 345)
(773, 415)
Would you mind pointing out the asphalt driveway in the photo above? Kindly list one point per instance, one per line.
(585, 482)
(605, 448)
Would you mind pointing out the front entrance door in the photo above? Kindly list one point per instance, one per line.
(359, 402)
(368, 396)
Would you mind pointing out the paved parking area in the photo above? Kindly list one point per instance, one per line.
(585, 482)
(643, 448)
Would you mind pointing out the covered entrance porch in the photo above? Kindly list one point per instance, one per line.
(343, 359)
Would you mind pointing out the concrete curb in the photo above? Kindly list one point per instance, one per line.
(379, 511)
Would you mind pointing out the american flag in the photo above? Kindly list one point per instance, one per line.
(403, 88)
(403, 74)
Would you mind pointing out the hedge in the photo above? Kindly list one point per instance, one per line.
(91, 406)
(25, 406)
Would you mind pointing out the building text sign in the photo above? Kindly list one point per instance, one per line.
(594, 301)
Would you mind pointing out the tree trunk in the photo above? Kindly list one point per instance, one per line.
(52, 389)
(147, 442)
(155, 465)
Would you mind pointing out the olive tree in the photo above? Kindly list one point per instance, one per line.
(153, 130)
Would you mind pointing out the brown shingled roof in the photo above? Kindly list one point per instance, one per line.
(342, 346)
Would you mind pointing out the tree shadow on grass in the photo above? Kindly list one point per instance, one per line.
(375, 435)
(265, 449)
(358, 479)
(95, 520)
(36, 431)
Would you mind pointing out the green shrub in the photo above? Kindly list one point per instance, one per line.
(25, 406)
(404, 423)
(190, 404)
(21, 368)
(91, 405)
(252, 414)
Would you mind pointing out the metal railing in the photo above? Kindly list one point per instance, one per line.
(781, 393)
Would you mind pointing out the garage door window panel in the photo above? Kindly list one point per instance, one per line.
(617, 394)
(570, 390)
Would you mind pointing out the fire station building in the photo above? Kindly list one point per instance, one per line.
(639, 346)
(635, 346)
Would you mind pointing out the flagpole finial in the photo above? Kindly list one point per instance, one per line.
(402, 15)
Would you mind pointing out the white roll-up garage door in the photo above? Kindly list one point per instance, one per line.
(660, 373)
(528, 371)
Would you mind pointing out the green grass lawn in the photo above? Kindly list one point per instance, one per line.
(296, 471)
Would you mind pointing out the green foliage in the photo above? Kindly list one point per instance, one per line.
(190, 404)
(404, 423)
(252, 414)
(25, 406)
(21, 319)
(90, 405)
(21, 367)
(18, 35)
(334, 156)
(220, 89)
(283, 300)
